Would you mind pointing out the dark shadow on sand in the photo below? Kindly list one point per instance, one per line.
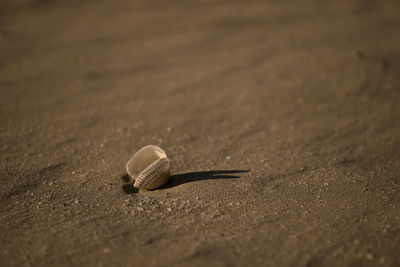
(183, 178)
(128, 188)
(126, 178)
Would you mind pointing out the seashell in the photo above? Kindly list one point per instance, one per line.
(149, 168)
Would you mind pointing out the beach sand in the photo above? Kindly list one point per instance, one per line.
(281, 120)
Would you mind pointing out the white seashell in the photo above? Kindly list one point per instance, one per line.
(149, 167)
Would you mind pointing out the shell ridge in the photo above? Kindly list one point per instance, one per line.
(153, 168)
(155, 178)
(132, 168)
(151, 175)
(154, 175)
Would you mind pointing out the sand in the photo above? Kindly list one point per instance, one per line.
(281, 120)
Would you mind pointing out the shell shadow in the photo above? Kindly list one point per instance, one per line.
(128, 188)
(183, 178)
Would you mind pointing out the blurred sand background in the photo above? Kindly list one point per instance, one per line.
(281, 119)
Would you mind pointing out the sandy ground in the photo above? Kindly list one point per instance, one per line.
(281, 120)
